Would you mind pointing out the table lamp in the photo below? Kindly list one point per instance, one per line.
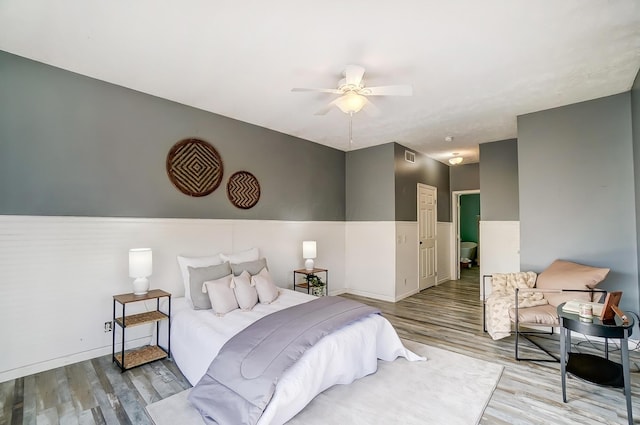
(308, 253)
(140, 267)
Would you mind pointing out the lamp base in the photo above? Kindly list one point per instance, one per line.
(140, 286)
(308, 264)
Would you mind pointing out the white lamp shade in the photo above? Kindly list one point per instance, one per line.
(351, 102)
(140, 262)
(309, 249)
(309, 253)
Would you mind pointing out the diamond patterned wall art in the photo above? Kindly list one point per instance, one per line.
(243, 190)
(194, 167)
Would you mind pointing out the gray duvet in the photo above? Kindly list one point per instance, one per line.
(242, 378)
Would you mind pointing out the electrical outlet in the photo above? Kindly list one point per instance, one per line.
(108, 326)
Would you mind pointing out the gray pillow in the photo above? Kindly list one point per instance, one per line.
(200, 275)
(253, 267)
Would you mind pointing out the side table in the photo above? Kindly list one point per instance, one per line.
(139, 356)
(592, 368)
(306, 273)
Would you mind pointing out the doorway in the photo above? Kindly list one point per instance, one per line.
(466, 244)
(427, 234)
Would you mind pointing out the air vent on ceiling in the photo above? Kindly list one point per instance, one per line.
(409, 156)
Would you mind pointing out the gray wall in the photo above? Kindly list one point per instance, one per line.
(499, 181)
(577, 198)
(370, 184)
(72, 145)
(635, 118)
(407, 176)
(465, 177)
(382, 186)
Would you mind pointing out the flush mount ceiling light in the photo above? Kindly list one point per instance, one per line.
(455, 160)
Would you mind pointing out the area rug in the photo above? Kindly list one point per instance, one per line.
(448, 388)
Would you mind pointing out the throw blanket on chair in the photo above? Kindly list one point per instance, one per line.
(502, 300)
(241, 380)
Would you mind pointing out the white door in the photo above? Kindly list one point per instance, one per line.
(427, 219)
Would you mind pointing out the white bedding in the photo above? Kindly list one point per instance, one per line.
(339, 358)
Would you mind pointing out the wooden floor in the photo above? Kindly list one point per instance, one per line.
(447, 316)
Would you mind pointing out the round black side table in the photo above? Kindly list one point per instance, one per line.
(592, 368)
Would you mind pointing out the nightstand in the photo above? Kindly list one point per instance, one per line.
(149, 353)
(317, 291)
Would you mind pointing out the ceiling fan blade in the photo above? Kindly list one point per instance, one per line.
(327, 108)
(388, 91)
(334, 91)
(353, 75)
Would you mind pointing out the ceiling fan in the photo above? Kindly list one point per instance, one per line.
(353, 93)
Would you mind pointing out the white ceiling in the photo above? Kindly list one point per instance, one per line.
(474, 65)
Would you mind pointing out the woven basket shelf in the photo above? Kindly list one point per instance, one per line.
(141, 356)
(141, 318)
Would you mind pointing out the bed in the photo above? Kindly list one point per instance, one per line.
(340, 358)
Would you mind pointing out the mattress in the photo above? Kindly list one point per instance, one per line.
(340, 358)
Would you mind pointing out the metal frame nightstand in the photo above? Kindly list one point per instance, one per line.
(306, 273)
(149, 353)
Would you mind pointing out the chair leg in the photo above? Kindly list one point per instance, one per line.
(527, 336)
(517, 339)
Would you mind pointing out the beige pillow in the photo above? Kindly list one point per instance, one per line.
(267, 290)
(246, 293)
(567, 275)
(221, 295)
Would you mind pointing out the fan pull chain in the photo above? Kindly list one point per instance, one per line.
(350, 128)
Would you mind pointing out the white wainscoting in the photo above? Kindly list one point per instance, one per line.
(382, 258)
(371, 259)
(500, 248)
(58, 275)
(445, 247)
(406, 283)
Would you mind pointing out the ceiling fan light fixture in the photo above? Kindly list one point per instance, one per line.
(351, 102)
(455, 160)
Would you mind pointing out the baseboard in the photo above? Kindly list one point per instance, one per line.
(406, 295)
(370, 295)
(11, 374)
(377, 296)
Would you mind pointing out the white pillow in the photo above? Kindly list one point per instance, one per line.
(246, 293)
(186, 262)
(250, 254)
(267, 290)
(221, 295)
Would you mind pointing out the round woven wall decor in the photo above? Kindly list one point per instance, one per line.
(243, 190)
(194, 167)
